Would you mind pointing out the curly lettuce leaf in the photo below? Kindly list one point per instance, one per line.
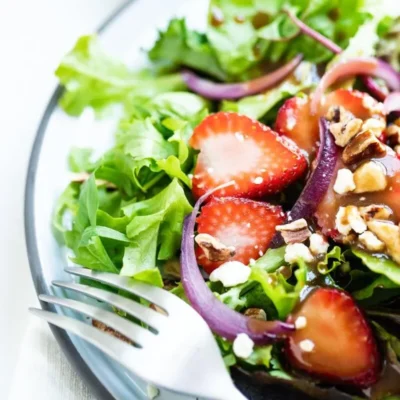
(93, 79)
(179, 46)
(155, 230)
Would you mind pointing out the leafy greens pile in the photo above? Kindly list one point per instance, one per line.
(123, 213)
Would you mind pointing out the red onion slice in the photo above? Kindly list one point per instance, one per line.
(373, 88)
(332, 46)
(392, 103)
(221, 319)
(231, 91)
(356, 66)
(318, 182)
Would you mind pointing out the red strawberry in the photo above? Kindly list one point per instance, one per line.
(247, 225)
(235, 147)
(333, 341)
(295, 120)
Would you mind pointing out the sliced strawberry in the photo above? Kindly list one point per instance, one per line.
(247, 225)
(334, 341)
(295, 120)
(329, 206)
(235, 147)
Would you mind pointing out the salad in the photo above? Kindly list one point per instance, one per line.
(255, 173)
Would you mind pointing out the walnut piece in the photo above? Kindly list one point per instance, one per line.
(375, 211)
(371, 242)
(343, 132)
(389, 234)
(349, 219)
(294, 232)
(370, 177)
(375, 125)
(256, 313)
(364, 145)
(213, 249)
(393, 134)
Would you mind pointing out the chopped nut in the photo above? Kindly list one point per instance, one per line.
(295, 232)
(348, 219)
(256, 313)
(389, 234)
(334, 113)
(374, 125)
(375, 211)
(103, 327)
(356, 222)
(342, 221)
(345, 131)
(81, 177)
(364, 145)
(213, 249)
(371, 242)
(344, 181)
(373, 106)
(318, 244)
(370, 177)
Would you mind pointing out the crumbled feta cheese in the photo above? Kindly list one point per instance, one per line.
(243, 346)
(231, 273)
(318, 244)
(296, 251)
(301, 322)
(344, 181)
(307, 345)
(371, 242)
(152, 392)
(355, 219)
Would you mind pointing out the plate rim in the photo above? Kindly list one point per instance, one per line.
(75, 359)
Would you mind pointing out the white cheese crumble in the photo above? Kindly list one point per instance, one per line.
(307, 345)
(231, 273)
(296, 251)
(344, 181)
(318, 244)
(152, 392)
(300, 323)
(243, 346)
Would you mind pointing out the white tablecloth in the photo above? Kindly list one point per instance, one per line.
(34, 34)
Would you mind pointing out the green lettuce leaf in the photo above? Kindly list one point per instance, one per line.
(383, 285)
(379, 265)
(93, 79)
(79, 159)
(155, 229)
(178, 46)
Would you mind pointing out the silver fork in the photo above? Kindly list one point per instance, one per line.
(178, 352)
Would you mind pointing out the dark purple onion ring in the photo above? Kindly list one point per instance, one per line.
(221, 319)
(231, 91)
(373, 88)
(318, 182)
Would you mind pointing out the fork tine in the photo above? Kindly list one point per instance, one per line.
(145, 314)
(155, 295)
(129, 356)
(132, 331)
